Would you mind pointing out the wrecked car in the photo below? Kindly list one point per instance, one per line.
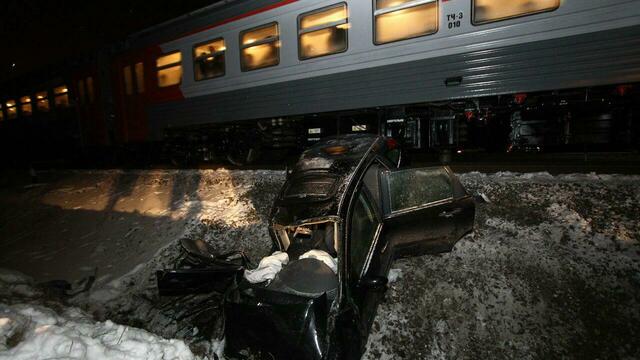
(346, 211)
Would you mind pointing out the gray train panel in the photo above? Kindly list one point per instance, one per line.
(600, 58)
(574, 17)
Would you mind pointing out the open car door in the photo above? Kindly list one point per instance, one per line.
(426, 210)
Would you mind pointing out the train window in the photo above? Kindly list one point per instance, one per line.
(12, 110)
(209, 59)
(61, 96)
(26, 108)
(169, 69)
(139, 69)
(128, 80)
(486, 11)
(323, 32)
(404, 19)
(42, 101)
(260, 47)
(91, 95)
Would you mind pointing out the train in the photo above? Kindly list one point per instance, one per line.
(249, 79)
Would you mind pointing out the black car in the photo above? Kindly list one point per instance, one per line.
(346, 197)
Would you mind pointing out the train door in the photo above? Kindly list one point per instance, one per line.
(131, 89)
(89, 107)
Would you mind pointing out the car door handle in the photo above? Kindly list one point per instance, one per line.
(450, 214)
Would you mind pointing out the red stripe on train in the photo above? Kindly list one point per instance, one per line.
(238, 17)
(174, 93)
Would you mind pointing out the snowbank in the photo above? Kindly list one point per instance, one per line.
(35, 326)
(38, 332)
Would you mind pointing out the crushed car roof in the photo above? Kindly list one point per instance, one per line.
(317, 184)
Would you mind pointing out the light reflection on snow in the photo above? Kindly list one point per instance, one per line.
(155, 194)
(41, 329)
(125, 192)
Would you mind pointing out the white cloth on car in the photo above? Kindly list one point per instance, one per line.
(268, 268)
(322, 256)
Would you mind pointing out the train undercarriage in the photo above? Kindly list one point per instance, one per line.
(598, 119)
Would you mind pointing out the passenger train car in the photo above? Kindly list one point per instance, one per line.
(247, 76)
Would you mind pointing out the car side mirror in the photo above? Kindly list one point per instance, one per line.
(376, 283)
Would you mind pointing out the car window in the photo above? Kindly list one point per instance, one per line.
(372, 183)
(417, 187)
(363, 227)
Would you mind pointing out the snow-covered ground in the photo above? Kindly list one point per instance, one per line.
(33, 328)
(552, 269)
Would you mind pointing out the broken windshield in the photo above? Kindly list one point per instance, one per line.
(318, 186)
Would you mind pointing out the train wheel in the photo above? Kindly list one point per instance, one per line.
(244, 150)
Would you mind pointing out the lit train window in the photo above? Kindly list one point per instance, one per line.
(12, 110)
(169, 69)
(26, 108)
(42, 101)
(209, 59)
(323, 32)
(260, 47)
(90, 90)
(404, 19)
(61, 96)
(128, 80)
(486, 11)
(139, 69)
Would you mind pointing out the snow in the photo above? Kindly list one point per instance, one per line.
(548, 272)
(37, 332)
(33, 326)
(551, 270)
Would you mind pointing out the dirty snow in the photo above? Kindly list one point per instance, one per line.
(552, 269)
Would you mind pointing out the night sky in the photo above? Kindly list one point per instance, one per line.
(37, 33)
